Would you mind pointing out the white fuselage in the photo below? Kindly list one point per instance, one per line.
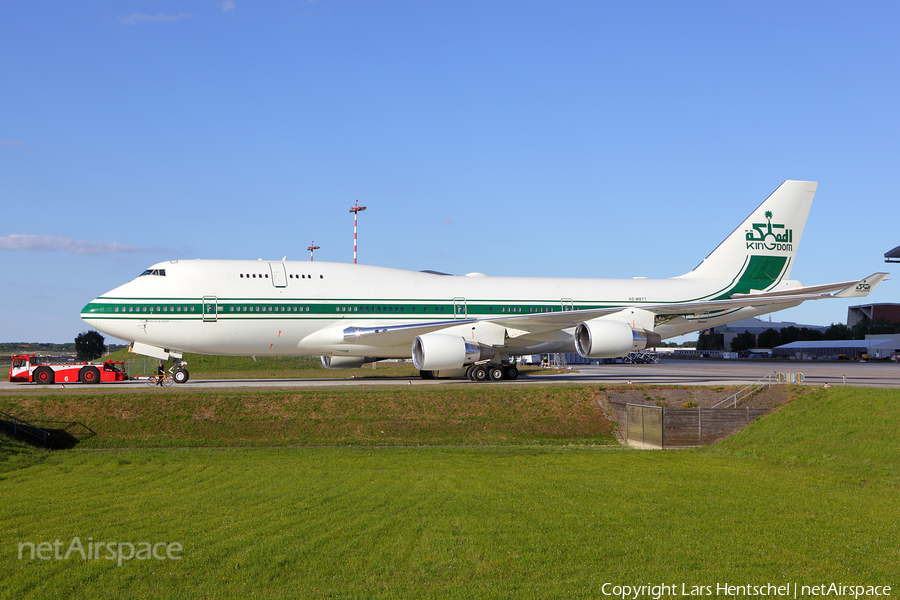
(281, 308)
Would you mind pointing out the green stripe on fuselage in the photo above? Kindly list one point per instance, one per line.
(761, 273)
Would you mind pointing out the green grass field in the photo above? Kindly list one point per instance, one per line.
(808, 495)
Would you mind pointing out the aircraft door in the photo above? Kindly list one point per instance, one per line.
(210, 309)
(460, 310)
(279, 278)
(567, 304)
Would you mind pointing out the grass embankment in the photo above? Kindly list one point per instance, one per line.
(770, 505)
(851, 432)
(483, 415)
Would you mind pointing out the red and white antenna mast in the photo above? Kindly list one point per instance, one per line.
(355, 209)
(311, 248)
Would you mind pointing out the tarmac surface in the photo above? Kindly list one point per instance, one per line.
(668, 372)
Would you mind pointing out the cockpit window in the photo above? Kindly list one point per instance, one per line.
(160, 272)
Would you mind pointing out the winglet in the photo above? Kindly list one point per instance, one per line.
(862, 287)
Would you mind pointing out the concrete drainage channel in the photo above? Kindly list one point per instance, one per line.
(684, 417)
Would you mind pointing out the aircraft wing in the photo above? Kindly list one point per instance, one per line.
(397, 335)
(845, 289)
(790, 296)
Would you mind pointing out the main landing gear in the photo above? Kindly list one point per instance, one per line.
(492, 372)
(486, 372)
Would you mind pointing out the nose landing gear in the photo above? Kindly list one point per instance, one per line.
(179, 373)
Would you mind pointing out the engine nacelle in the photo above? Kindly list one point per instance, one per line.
(600, 338)
(346, 362)
(440, 351)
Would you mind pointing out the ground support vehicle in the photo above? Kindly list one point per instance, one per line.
(642, 358)
(639, 358)
(44, 369)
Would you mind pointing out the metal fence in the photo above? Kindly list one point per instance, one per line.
(660, 427)
(644, 425)
(17, 426)
(140, 366)
(686, 427)
(763, 383)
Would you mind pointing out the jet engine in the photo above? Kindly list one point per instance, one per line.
(602, 338)
(440, 351)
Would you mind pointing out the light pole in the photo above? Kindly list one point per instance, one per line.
(311, 248)
(355, 209)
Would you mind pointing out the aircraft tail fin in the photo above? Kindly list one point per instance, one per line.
(760, 252)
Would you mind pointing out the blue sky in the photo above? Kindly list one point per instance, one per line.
(595, 139)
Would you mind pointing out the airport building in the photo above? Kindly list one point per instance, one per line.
(875, 346)
(873, 312)
(755, 327)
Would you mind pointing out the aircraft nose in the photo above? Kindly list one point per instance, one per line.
(91, 309)
(100, 314)
(105, 316)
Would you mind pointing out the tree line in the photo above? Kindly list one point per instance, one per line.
(88, 345)
(770, 338)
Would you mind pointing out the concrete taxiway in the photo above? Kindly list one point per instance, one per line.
(668, 372)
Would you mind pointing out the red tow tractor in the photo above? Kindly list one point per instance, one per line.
(43, 369)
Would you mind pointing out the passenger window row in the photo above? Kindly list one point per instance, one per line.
(246, 308)
(266, 276)
(153, 309)
(288, 308)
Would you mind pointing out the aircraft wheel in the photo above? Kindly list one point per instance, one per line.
(181, 375)
(89, 375)
(43, 375)
(495, 373)
(511, 373)
(469, 373)
(479, 373)
(426, 374)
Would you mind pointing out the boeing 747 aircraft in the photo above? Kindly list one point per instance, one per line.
(456, 325)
